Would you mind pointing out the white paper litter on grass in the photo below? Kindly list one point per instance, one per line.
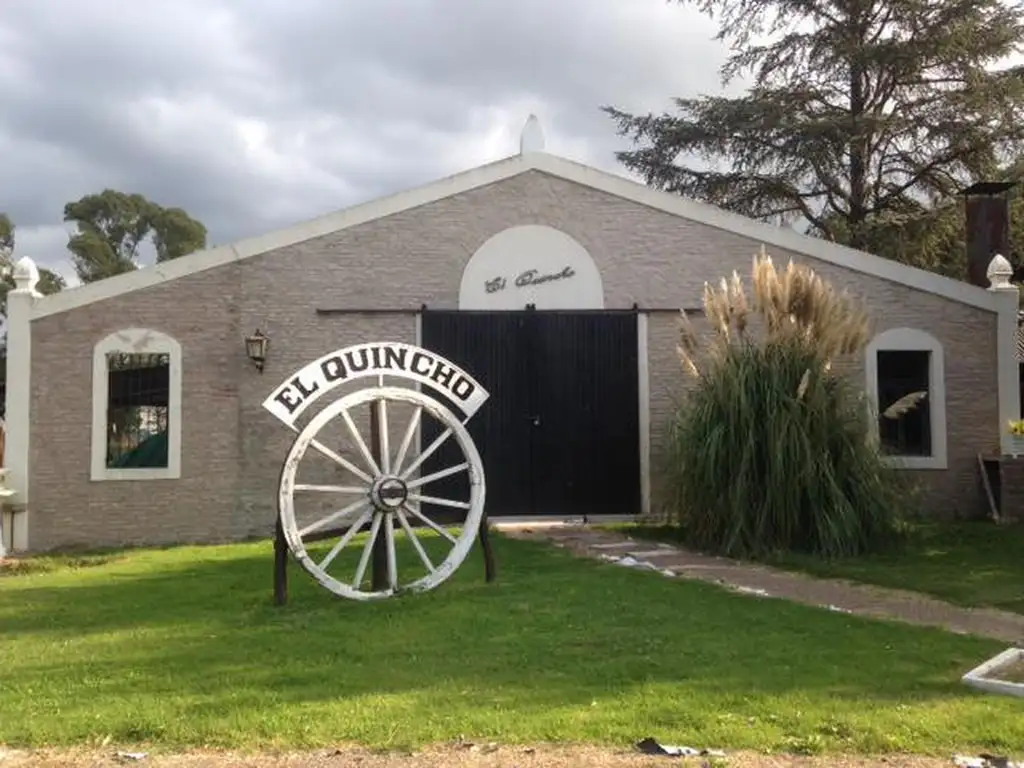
(632, 562)
(651, 747)
(837, 609)
(629, 561)
(752, 591)
(985, 761)
(652, 552)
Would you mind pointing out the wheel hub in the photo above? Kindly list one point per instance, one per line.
(388, 493)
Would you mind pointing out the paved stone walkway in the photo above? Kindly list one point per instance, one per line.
(751, 578)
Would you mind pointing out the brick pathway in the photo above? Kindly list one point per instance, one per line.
(861, 599)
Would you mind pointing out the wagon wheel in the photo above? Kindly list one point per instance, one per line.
(386, 495)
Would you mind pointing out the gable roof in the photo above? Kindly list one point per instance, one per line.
(768, 234)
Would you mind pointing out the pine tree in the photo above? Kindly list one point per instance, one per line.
(859, 113)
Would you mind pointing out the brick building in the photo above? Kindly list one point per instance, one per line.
(134, 412)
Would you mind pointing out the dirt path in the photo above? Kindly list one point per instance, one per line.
(861, 599)
(449, 757)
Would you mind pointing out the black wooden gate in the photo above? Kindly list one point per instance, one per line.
(560, 433)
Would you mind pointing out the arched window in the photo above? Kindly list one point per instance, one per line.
(906, 383)
(136, 406)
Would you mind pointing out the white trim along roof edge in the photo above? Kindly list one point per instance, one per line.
(768, 234)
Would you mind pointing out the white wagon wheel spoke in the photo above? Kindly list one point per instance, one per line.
(383, 436)
(339, 515)
(344, 540)
(357, 489)
(338, 459)
(439, 502)
(367, 456)
(389, 538)
(430, 523)
(404, 522)
(410, 433)
(427, 453)
(437, 475)
(389, 502)
(364, 560)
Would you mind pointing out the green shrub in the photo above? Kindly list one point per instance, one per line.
(770, 449)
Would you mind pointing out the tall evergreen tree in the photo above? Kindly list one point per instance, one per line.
(861, 115)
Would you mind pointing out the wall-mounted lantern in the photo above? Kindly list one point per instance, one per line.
(256, 348)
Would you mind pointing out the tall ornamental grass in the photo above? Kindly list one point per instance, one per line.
(771, 450)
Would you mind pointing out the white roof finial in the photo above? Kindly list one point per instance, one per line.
(26, 276)
(999, 273)
(532, 137)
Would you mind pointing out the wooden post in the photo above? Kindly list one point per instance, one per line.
(380, 548)
(490, 566)
(280, 565)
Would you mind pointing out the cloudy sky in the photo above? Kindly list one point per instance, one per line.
(254, 114)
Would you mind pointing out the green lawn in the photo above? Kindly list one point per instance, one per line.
(182, 647)
(973, 564)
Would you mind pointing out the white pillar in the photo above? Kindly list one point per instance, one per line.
(18, 401)
(1008, 297)
(644, 388)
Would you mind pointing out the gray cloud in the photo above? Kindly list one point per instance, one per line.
(255, 115)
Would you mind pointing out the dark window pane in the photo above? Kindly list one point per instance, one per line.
(137, 410)
(901, 373)
(1020, 368)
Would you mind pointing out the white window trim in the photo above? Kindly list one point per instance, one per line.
(135, 341)
(914, 340)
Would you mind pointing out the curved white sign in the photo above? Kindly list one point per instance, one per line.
(385, 358)
(531, 264)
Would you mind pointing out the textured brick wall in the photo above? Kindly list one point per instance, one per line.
(1011, 485)
(233, 450)
(67, 508)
